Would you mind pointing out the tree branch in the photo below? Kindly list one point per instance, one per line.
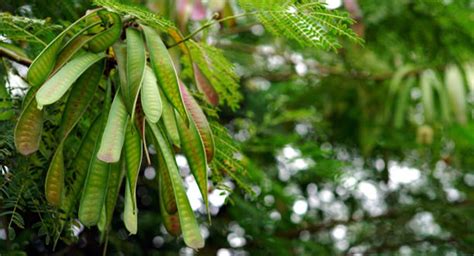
(14, 57)
(208, 24)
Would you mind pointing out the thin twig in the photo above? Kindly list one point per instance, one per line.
(15, 57)
(208, 24)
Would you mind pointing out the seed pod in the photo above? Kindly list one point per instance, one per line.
(426, 82)
(166, 188)
(170, 220)
(130, 216)
(57, 85)
(456, 92)
(164, 69)
(93, 194)
(169, 122)
(114, 132)
(150, 97)
(70, 50)
(202, 125)
(84, 158)
(81, 163)
(402, 103)
(135, 68)
(205, 86)
(120, 52)
(43, 64)
(193, 148)
(106, 38)
(116, 174)
(189, 226)
(133, 159)
(54, 185)
(81, 95)
(29, 126)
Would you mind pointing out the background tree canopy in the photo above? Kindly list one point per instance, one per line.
(349, 138)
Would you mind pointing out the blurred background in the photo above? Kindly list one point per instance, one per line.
(368, 149)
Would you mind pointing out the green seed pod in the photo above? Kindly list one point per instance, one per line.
(114, 132)
(60, 82)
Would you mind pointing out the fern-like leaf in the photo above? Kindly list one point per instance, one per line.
(136, 11)
(18, 28)
(308, 22)
(218, 70)
(228, 158)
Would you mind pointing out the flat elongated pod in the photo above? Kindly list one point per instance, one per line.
(116, 174)
(81, 95)
(106, 38)
(94, 191)
(54, 185)
(164, 69)
(443, 99)
(83, 158)
(456, 89)
(170, 220)
(205, 86)
(70, 50)
(166, 188)
(200, 120)
(426, 83)
(469, 71)
(29, 126)
(43, 64)
(133, 159)
(398, 77)
(114, 132)
(73, 46)
(102, 223)
(130, 216)
(170, 122)
(189, 226)
(120, 52)
(193, 148)
(81, 163)
(59, 83)
(402, 103)
(150, 97)
(97, 43)
(135, 68)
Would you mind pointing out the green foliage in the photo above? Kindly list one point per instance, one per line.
(307, 22)
(19, 28)
(137, 12)
(219, 71)
(366, 150)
